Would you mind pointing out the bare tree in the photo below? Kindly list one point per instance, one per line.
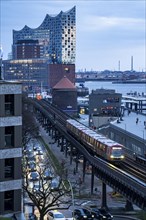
(30, 128)
(46, 192)
(42, 191)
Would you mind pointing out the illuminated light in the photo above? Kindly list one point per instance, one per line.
(39, 97)
(122, 156)
(111, 156)
(116, 148)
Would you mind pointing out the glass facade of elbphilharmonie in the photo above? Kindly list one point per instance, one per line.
(56, 36)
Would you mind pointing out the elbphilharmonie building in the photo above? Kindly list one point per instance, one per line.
(56, 37)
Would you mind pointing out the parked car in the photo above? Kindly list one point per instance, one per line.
(39, 152)
(99, 214)
(33, 176)
(55, 215)
(81, 214)
(48, 174)
(55, 183)
(32, 166)
(104, 214)
(37, 188)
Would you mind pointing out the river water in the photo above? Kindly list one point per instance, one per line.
(119, 88)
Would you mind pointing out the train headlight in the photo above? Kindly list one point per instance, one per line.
(111, 156)
(122, 157)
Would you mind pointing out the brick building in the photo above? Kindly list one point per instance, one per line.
(64, 96)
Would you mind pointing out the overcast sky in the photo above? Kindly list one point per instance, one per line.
(107, 31)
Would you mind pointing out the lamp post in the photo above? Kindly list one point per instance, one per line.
(72, 194)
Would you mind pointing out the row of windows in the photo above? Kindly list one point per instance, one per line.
(111, 100)
(88, 139)
(9, 168)
(9, 105)
(9, 136)
(9, 200)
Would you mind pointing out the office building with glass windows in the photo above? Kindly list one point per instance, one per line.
(43, 55)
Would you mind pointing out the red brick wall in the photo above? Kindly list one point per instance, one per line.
(57, 71)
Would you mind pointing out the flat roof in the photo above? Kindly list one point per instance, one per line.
(129, 124)
(10, 82)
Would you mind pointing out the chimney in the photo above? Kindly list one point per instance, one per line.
(1, 56)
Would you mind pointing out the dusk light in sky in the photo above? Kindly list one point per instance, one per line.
(106, 31)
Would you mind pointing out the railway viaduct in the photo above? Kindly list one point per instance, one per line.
(131, 188)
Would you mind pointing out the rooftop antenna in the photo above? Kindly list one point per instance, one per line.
(1, 56)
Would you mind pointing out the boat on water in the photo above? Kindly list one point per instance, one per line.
(82, 90)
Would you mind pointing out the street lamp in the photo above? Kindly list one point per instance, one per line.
(72, 194)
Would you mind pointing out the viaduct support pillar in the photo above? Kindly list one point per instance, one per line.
(104, 199)
(92, 180)
(84, 168)
(129, 206)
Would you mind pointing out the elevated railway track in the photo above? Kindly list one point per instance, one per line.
(127, 181)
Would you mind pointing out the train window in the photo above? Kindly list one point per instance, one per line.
(91, 140)
(87, 138)
(83, 135)
(98, 144)
(102, 147)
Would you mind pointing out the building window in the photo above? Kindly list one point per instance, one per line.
(9, 104)
(9, 168)
(8, 200)
(9, 136)
(67, 70)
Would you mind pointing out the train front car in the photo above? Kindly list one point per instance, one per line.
(116, 153)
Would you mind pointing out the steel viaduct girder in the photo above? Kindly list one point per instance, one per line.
(131, 188)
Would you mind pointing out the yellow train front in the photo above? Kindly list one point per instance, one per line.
(97, 143)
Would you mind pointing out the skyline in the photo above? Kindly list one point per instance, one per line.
(107, 31)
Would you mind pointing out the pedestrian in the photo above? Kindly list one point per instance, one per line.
(129, 112)
(145, 124)
(137, 120)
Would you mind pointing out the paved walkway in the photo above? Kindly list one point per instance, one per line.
(84, 189)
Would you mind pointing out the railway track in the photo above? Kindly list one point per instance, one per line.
(134, 171)
(130, 166)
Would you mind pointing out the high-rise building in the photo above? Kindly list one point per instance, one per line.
(10, 148)
(43, 55)
(56, 37)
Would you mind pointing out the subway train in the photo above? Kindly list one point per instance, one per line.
(97, 143)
